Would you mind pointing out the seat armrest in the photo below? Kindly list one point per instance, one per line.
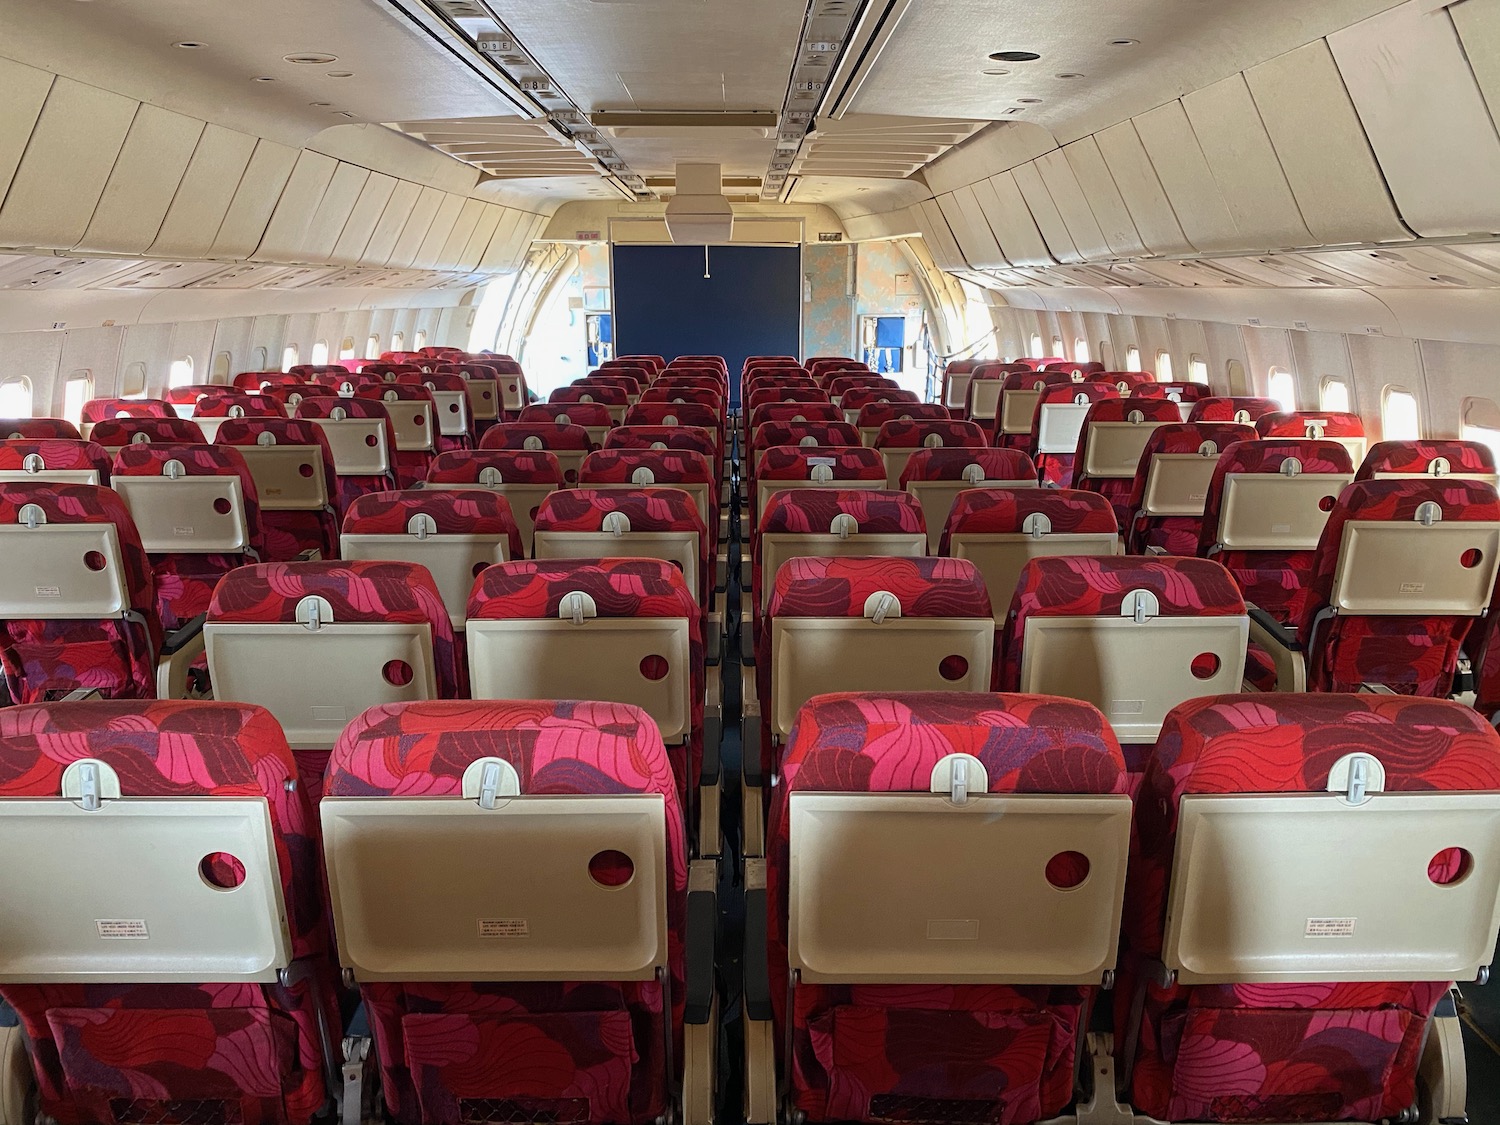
(1285, 651)
(702, 935)
(181, 638)
(755, 964)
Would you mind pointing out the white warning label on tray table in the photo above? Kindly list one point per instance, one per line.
(504, 927)
(1330, 927)
(121, 927)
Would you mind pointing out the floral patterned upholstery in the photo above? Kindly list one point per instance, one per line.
(1228, 409)
(952, 1052)
(600, 394)
(126, 1053)
(57, 454)
(116, 433)
(769, 434)
(919, 433)
(874, 415)
(1418, 456)
(580, 413)
(811, 411)
(454, 511)
(38, 428)
(952, 463)
(1057, 468)
(98, 409)
(1411, 655)
(1117, 489)
(1280, 1052)
(1294, 424)
(540, 435)
(711, 397)
(236, 404)
(114, 656)
(289, 534)
(453, 1052)
(1003, 511)
(1177, 535)
(185, 582)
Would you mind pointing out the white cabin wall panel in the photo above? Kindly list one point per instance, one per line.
(418, 221)
(333, 213)
(431, 249)
(939, 239)
(1325, 355)
(234, 335)
(1011, 221)
(972, 229)
(34, 356)
(1454, 372)
(254, 200)
(1478, 25)
(1188, 341)
(192, 340)
(144, 180)
(1322, 148)
(1068, 196)
(149, 345)
(23, 92)
(204, 193)
(1182, 169)
(1104, 198)
(393, 219)
(1044, 211)
(1239, 153)
(290, 226)
(1268, 348)
(1226, 345)
(358, 229)
(1101, 347)
(1382, 362)
(270, 335)
(1141, 188)
(479, 239)
(452, 254)
(66, 164)
(1422, 109)
(301, 332)
(94, 350)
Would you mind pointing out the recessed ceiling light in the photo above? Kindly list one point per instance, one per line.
(189, 45)
(1124, 42)
(321, 105)
(263, 78)
(996, 72)
(341, 74)
(1071, 74)
(311, 59)
(1015, 56)
(1028, 101)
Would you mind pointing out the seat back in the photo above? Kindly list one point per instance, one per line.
(54, 460)
(1133, 636)
(1432, 459)
(594, 417)
(936, 476)
(412, 412)
(1000, 530)
(569, 444)
(1016, 394)
(1057, 425)
(1346, 429)
(97, 409)
(1274, 494)
(872, 624)
(770, 434)
(1114, 436)
(190, 499)
(553, 788)
(815, 466)
(1171, 483)
(38, 429)
(1245, 411)
(689, 471)
(359, 433)
(316, 643)
(106, 812)
(899, 438)
(453, 533)
(1392, 816)
(524, 477)
(113, 434)
(874, 415)
(289, 459)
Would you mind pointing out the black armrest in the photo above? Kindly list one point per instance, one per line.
(712, 766)
(702, 926)
(750, 767)
(183, 636)
(756, 964)
(1281, 634)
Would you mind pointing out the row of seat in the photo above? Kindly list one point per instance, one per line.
(955, 883)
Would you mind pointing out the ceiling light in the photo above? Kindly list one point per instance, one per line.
(310, 59)
(1028, 101)
(321, 105)
(1069, 75)
(263, 78)
(189, 45)
(996, 72)
(341, 74)
(1015, 56)
(1124, 42)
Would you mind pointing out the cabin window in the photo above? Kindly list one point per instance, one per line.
(1481, 423)
(419, 341)
(346, 348)
(1334, 396)
(320, 353)
(133, 385)
(222, 363)
(289, 357)
(1198, 370)
(1399, 417)
(1057, 346)
(15, 398)
(1132, 358)
(1081, 351)
(1036, 345)
(1163, 367)
(372, 348)
(76, 391)
(1283, 388)
(180, 374)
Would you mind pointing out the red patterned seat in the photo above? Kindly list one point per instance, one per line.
(709, 380)
(1264, 517)
(1126, 382)
(861, 623)
(771, 434)
(899, 438)
(614, 399)
(926, 1040)
(989, 385)
(841, 383)
(855, 399)
(290, 394)
(1115, 432)
(1000, 529)
(295, 483)
(1246, 411)
(874, 415)
(631, 383)
(38, 429)
(793, 412)
(1186, 395)
(527, 642)
(58, 460)
(75, 618)
(533, 1033)
(197, 512)
(711, 397)
(1057, 427)
(523, 476)
(814, 466)
(1394, 460)
(569, 444)
(487, 387)
(223, 402)
(1171, 485)
(98, 409)
(315, 643)
(413, 415)
(936, 476)
(668, 437)
(1317, 425)
(956, 375)
(453, 533)
(255, 380)
(1133, 636)
(455, 413)
(214, 1036)
(1248, 1047)
(689, 414)
(362, 440)
(113, 434)
(594, 417)
(1426, 549)
(683, 469)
